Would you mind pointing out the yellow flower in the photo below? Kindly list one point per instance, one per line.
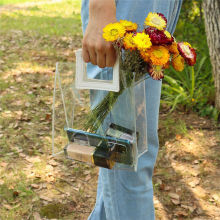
(167, 33)
(173, 48)
(142, 41)
(129, 25)
(159, 55)
(128, 42)
(113, 31)
(178, 63)
(145, 56)
(155, 20)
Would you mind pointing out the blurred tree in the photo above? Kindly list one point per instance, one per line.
(212, 23)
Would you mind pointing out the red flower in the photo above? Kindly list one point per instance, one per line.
(188, 53)
(158, 37)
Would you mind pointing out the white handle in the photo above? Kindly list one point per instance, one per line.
(83, 82)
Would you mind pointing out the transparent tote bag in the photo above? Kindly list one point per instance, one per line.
(101, 120)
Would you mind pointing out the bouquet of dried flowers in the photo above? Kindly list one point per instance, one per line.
(150, 51)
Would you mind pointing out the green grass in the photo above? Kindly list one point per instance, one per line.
(7, 2)
(44, 30)
(47, 19)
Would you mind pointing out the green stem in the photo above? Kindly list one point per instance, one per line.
(193, 82)
(97, 115)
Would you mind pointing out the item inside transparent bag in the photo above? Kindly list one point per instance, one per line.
(99, 127)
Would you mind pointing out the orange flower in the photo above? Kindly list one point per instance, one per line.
(166, 65)
(145, 55)
(178, 63)
(159, 55)
(173, 48)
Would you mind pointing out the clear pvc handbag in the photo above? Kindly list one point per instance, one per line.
(99, 121)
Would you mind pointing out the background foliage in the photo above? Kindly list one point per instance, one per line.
(192, 89)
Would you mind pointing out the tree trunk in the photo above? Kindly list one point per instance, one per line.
(212, 23)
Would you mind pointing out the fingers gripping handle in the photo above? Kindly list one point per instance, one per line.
(83, 82)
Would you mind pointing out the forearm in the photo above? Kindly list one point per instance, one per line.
(102, 10)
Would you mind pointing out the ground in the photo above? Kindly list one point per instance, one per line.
(34, 185)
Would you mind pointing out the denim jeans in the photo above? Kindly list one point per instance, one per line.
(125, 195)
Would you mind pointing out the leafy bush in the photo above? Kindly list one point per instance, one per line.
(192, 89)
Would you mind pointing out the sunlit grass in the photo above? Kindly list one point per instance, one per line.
(62, 18)
(7, 2)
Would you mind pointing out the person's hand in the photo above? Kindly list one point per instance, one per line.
(95, 49)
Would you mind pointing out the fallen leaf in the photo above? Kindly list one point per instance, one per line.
(196, 162)
(88, 177)
(178, 137)
(199, 211)
(3, 164)
(216, 197)
(36, 216)
(46, 198)
(48, 117)
(35, 186)
(22, 155)
(194, 182)
(7, 206)
(175, 201)
(53, 163)
(27, 104)
(181, 213)
(50, 179)
(15, 194)
(75, 188)
(18, 103)
(33, 159)
(162, 186)
(87, 172)
(190, 208)
(174, 196)
(167, 188)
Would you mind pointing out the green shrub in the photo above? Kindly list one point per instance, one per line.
(192, 89)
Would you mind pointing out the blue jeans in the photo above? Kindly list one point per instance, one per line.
(125, 195)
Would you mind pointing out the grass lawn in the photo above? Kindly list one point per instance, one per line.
(7, 2)
(45, 19)
(44, 30)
